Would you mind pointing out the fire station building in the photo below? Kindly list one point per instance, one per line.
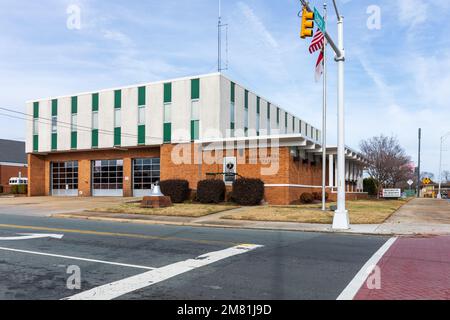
(119, 142)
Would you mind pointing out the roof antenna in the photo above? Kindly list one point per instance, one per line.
(220, 28)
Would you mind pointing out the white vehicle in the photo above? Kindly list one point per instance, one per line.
(18, 181)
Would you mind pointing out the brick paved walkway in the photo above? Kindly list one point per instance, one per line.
(413, 269)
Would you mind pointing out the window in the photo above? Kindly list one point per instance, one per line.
(117, 118)
(141, 115)
(35, 127)
(146, 172)
(167, 113)
(232, 119)
(74, 123)
(268, 120)
(54, 124)
(95, 120)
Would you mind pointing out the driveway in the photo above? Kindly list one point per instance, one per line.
(46, 206)
(419, 216)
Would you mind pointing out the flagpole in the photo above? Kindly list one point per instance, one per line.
(324, 119)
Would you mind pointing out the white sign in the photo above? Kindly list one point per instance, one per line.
(410, 182)
(229, 168)
(392, 193)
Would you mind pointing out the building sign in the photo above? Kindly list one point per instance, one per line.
(392, 193)
(230, 169)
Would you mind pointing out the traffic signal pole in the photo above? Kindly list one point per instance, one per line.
(341, 219)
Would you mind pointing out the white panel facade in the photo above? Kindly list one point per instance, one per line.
(106, 119)
(252, 98)
(181, 111)
(210, 120)
(64, 123)
(84, 118)
(154, 114)
(45, 127)
(239, 112)
(29, 127)
(129, 117)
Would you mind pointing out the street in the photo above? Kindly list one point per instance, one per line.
(265, 265)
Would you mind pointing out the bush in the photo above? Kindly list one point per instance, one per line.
(248, 192)
(1, 189)
(19, 189)
(306, 198)
(318, 196)
(177, 190)
(370, 186)
(211, 191)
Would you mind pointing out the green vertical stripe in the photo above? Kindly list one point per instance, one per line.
(286, 120)
(73, 140)
(233, 92)
(95, 102)
(278, 115)
(117, 136)
(141, 134)
(195, 89)
(300, 126)
(35, 143)
(246, 99)
(54, 141)
(141, 96)
(258, 105)
(74, 105)
(168, 92)
(36, 110)
(54, 107)
(195, 130)
(118, 99)
(167, 132)
(95, 138)
(268, 110)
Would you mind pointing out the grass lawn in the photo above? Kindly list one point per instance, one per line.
(178, 210)
(361, 212)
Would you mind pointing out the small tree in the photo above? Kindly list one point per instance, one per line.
(388, 165)
(370, 186)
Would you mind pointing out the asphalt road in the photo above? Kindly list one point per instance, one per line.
(282, 265)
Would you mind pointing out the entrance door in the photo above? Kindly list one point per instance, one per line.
(107, 178)
(146, 172)
(64, 178)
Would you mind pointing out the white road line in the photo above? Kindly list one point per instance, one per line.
(355, 285)
(76, 258)
(119, 288)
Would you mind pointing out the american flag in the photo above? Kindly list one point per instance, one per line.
(317, 42)
(319, 66)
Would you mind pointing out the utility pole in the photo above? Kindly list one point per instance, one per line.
(341, 219)
(324, 119)
(418, 166)
(439, 196)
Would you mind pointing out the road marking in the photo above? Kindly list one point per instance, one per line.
(76, 258)
(119, 288)
(113, 234)
(29, 236)
(356, 284)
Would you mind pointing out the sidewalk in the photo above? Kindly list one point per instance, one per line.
(420, 216)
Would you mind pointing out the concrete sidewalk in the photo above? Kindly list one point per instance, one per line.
(419, 216)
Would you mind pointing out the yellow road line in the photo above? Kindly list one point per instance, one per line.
(114, 234)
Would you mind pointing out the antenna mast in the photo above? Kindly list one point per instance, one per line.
(220, 26)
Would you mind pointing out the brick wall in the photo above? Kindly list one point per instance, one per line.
(7, 172)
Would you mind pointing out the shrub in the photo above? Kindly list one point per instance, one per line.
(306, 198)
(1, 189)
(370, 186)
(177, 190)
(318, 196)
(248, 192)
(211, 191)
(19, 189)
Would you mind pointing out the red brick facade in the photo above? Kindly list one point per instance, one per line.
(184, 162)
(7, 172)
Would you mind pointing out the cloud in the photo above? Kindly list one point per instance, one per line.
(412, 12)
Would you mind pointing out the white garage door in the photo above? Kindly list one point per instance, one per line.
(107, 178)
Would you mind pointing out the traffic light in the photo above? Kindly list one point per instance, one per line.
(307, 24)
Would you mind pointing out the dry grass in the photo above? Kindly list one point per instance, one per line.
(361, 212)
(177, 210)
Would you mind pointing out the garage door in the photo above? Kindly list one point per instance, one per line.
(107, 178)
(146, 172)
(64, 178)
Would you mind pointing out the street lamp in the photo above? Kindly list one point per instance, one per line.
(445, 136)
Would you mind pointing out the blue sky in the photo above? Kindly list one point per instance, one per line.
(397, 77)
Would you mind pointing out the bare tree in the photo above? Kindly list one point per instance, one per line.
(389, 165)
(446, 176)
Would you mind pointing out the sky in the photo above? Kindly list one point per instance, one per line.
(397, 58)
